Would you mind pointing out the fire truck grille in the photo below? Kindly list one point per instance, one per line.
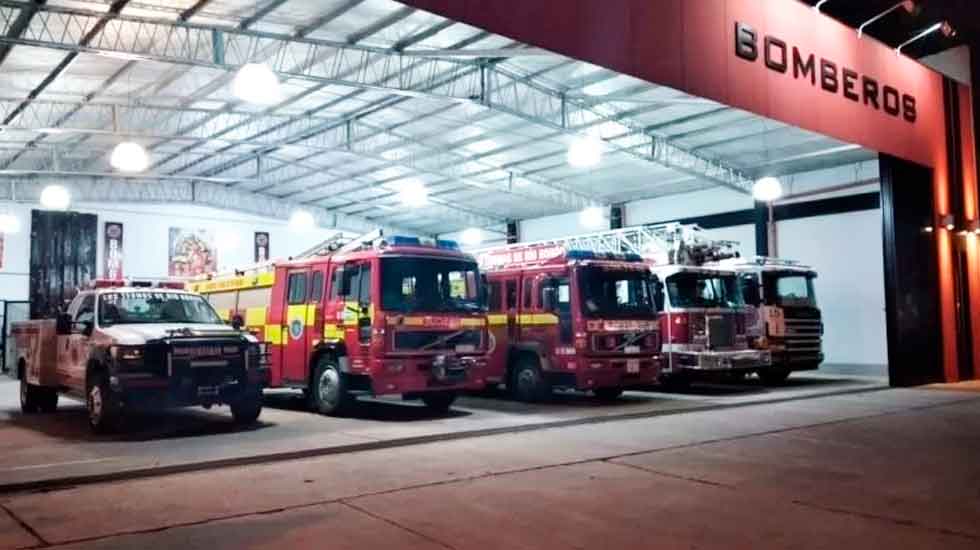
(619, 342)
(803, 335)
(437, 340)
(721, 331)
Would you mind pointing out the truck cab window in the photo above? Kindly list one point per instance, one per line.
(85, 314)
(511, 294)
(316, 287)
(364, 285)
(297, 288)
(527, 293)
(494, 296)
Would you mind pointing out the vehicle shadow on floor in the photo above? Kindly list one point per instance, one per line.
(377, 409)
(70, 423)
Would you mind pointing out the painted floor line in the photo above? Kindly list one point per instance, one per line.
(57, 464)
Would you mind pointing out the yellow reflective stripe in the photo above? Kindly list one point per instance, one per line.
(273, 334)
(333, 332)
(310, 314)
(471, 322)
(537, 319)
(233, 283)
(414, 321)
(255, 316)
(497, 319)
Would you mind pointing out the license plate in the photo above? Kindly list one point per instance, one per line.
(208, 391)
(633, 366)
(632, 349)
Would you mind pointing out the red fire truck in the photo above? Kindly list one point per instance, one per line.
(568, 317)
(368, 316)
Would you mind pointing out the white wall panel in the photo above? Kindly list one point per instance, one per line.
(685, 205)
(551, 227)
(846, 250)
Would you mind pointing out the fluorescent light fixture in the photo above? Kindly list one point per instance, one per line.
(55, 197)
(413, 194)
(593, 217)
(129, 156)
(9, 224)
(767, 189)
(594, 90)
(301, 222)
(820, 4)
(483, 146)
(256, 83)
(472, 237)
(943, 26)
(585, 152)
(910, 6)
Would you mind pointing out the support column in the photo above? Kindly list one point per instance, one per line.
(761, 228)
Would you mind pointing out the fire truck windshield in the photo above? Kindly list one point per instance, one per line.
(789, 289)
(430, 284)
(616, 293)
(693, 289)
(123, 308)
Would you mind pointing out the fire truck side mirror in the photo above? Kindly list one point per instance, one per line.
(751, 291)
(549, 298)
(63, 324)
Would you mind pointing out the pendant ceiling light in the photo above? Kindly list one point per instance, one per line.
(301, 222)
(413, 194)
(593, 217)
(55, 197)
(129, 156)
(256, 83)
(472, 237)
(767, 189)
(585, 152)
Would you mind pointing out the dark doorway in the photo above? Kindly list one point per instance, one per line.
(911, 278)
(63, 249)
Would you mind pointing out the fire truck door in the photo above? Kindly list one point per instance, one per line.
(74, 348)
(513, 330)
(297, 325)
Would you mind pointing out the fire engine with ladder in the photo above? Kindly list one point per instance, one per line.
(563, 316)
(787, 321)
(702, 317)
(370, 315)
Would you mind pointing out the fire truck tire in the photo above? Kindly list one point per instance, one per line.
(47, 399)
(28, 396)
(773, 376)
(439, 401)
(248, 407)
(608, 394)
(328, 389)
(528, 382)
(675, 382)
(104, 407)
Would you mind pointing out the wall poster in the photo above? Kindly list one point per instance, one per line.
(192, 252)
(113, 251)
(261, 246)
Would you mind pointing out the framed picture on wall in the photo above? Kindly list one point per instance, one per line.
(261, 246)
(192, 252)
(112, 254)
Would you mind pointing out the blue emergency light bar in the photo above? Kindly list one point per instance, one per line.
(590, 255)
(400, 240)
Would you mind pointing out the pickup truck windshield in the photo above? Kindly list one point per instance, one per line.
(123, 308)
(617, 292)
(430, 284)
(703, 290)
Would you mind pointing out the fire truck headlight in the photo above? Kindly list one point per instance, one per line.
(127, 353)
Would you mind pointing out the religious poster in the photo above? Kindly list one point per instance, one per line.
(112, 251)
(261, 246)
(192, 252)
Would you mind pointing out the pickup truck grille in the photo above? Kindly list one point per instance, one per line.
(436, 340)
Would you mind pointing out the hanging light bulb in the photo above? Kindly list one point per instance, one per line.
(593, 217)
(55, 197)
(129, 156)
(585, 152)
(767, 189)
(472, 237)
(413, 194)
(256, 83)
(9, 223)
(301, 221)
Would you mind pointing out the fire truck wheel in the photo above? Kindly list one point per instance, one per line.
(529, 384)
(439, 401)
(104, 408)
(774, 376)
(248, 407)
(675, 382)
(28, 396)
(47, 399)
(608, 394)
(328, 392)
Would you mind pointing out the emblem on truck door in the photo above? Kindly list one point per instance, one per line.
(296, 329)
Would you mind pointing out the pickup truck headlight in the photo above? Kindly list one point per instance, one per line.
(127, 353)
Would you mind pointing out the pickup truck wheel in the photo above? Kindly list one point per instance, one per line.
(608, 394)
(328, 390)
(773, 376)
(28, 397)
(248, 407)
(675, 382)
(104, 414)
(439, 401)
(47, 399)
(529, 384)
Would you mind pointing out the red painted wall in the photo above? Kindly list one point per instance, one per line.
(690, 45)
(971, 210)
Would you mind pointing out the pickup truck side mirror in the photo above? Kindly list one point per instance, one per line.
(63, 324)
(237, 323)
(87, 327)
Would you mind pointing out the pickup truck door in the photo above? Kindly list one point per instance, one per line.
(74, 348)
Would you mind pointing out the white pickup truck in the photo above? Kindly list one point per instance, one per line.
(138, 346)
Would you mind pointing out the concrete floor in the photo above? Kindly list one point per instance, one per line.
(885, 469)
(46, 447)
